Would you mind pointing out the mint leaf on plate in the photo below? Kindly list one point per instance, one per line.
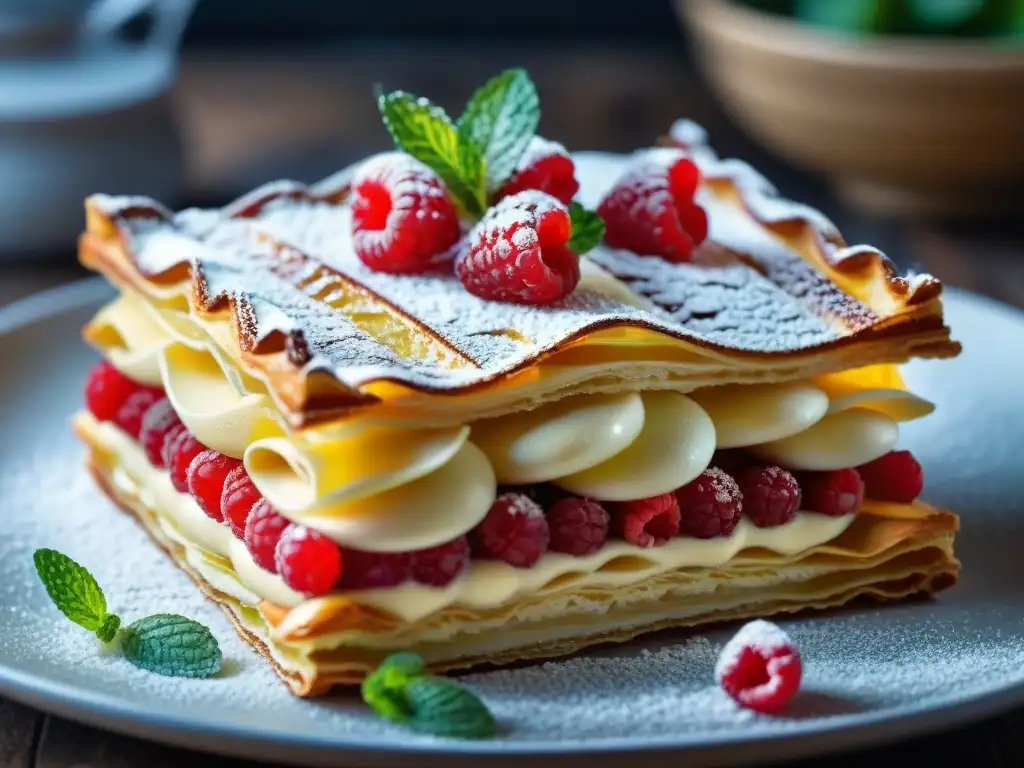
(75, 592)
(400, 691)
(445, 708)
(171, 645)
(587, 228)
(500, 119)
(382, 688)
(424, 131)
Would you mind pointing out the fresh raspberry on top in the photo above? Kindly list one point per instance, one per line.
(897, 476)
(373, 570)
(129, 415)
(106, 390)
(402, 218)
(835, 493)
(760, 667)
(308, 561)
(438, 566)
(651, 211)
(237, 499)
(647, 522)
(709, 505)
(207, 474)
(771, 496)
(180, 448)
(578, 526)
(545, 166)
(514, 530)
(518, 252)
(157, 423)
(263, 529)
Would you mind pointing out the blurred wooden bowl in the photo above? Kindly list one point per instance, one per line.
(903, 127)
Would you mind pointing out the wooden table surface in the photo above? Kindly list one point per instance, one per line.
(250, 116)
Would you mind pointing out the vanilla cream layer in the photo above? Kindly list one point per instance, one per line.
(486, 584)
(386, 488)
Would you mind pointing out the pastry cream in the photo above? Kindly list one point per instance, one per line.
(561, 438)
(486, 584)
(388, 488)
(674, 446)
(847, 438)
(748, 415)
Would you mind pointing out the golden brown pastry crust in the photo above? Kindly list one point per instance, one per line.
(924, 564)
(875, 316)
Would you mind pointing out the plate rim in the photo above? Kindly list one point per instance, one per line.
(810, 737)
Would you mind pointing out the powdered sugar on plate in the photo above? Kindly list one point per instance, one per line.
(861, 667)
(654, 688)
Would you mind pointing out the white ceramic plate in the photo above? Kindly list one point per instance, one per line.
(872, 673)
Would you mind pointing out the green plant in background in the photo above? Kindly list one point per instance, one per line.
(944, 18)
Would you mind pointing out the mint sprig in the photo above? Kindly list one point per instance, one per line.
(500, 119)
(166, 644)
(587, 228)
(425, 131)
(75, 592)
(399, 691)
(171, 645)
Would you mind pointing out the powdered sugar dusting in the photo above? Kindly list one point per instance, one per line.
(519, 504)
(722, 484)
(762, 636)
(744, 290)
(537, 150)
(656, 689)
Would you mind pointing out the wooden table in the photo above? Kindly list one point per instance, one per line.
(251, 116)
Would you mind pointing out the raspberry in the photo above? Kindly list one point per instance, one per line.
(771, 496)
(710, 505)
(157, 423)
(402, 218)
(835, 493)
(369, 570)
(514, 530)
(106, 390)
(129, 415)
(237, 499)
(650, 209)
(308, 561)
(545, 166)
(440, 565)
(518, 252)
(894, 477)
(180, 448)
(545, 494)
(578, 526)
(760, 667)
(647, 522)
(263, 529)
(206, 476)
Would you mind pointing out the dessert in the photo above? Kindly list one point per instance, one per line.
(397, 411)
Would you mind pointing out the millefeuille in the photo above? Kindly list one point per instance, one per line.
(487, 481)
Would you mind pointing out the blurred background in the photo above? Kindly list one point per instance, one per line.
(902, 119)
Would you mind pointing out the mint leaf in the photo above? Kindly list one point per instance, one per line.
(399, 691)
(382, 689)
(424, 131)
(500, 119)
(171, 645)
(587, 228)
(108, 627)
(445, 708)
(74, 591)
